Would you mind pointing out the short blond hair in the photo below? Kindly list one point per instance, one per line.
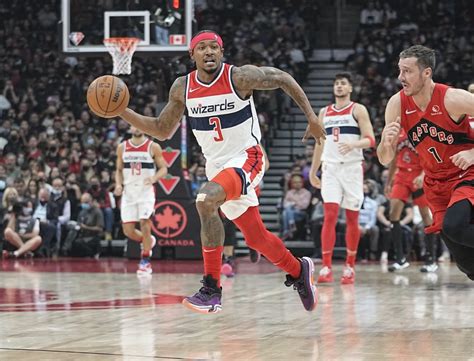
(6, 194)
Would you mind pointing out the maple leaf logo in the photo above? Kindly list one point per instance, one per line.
(170, 219)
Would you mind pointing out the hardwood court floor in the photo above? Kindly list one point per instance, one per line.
(99, 310)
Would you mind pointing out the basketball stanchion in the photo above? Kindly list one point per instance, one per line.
(121, 50)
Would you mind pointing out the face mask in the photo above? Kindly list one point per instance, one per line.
(43, 202)
(85, 206)
(27, 211)
(2, 184)
(95, 187)
(366, 194)
(56, 192)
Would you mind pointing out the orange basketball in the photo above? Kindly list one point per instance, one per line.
(108, 96)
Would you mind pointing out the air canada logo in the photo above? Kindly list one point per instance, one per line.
(170, 219)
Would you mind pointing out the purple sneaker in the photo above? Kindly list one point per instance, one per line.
(304, 284)
(208, 299)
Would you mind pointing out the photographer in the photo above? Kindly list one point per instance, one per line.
(22, 231)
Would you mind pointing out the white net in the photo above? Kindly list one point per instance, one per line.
(121, 50)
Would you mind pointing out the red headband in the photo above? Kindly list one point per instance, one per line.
(206, 36)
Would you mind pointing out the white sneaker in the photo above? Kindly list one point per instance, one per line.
(384, 257)
(445, 257)
(144, 268)
(398, 266)
(432, 267)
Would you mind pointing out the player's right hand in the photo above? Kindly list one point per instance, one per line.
(118, 190)
(391, 132)
(387, 190)
(315, 181)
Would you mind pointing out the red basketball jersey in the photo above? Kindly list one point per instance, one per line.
(407, 158)
(435, 136)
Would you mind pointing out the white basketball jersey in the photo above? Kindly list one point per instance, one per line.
(341, 126)
(223, 123)
(138, 164)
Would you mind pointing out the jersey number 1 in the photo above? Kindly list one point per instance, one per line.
(217, 127)
(435, 154)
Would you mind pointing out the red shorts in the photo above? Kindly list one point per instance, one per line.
(442, 194)
(403, 187)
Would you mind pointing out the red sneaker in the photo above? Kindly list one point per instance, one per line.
(348, 275)
(325, 275)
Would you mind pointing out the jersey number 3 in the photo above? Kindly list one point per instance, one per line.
(216, 122)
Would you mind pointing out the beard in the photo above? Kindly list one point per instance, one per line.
(137, 135)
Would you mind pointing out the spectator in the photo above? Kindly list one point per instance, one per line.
(22, 231)
(369, 232)
(295, 205)
(83, 240)
(63, 210)
(102, 196)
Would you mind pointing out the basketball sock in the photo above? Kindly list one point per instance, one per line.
(352, 236)
(212, 257)
(328, 233)
(260, 239)
(397, 240)
(457, 223)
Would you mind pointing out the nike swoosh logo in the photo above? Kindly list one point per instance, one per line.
(208, 250)
(462, 175)
(193, 90)
(410, 111)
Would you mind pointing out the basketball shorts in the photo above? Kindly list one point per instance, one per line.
(137, 205)
(250, 167)
(403, 187)
(342, 183)
(442, 194)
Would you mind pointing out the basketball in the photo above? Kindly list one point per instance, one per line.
(108, 96)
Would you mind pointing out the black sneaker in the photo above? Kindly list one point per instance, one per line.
(254, 256)
(304, 284)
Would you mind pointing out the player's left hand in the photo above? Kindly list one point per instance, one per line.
(418, 181)
(314, 129)
(464, 159)
(148, 181)
(345, 148)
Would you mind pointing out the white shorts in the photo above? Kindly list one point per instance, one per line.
(252, 166)
(343, 183)
(135, 207)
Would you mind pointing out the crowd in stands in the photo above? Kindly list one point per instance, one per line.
(57, 159)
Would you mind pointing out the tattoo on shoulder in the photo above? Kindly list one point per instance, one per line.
(250, 77)
(178, 89)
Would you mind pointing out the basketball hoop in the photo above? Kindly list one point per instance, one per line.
(121, 50)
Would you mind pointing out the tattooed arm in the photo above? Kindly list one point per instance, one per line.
(249, 77)
(164, 126)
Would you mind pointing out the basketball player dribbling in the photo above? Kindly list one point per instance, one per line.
(438, 120)
(349, 131)
(218, 100)
(405, 181)
(137, 161)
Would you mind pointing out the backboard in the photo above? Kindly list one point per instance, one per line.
(162, 25)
